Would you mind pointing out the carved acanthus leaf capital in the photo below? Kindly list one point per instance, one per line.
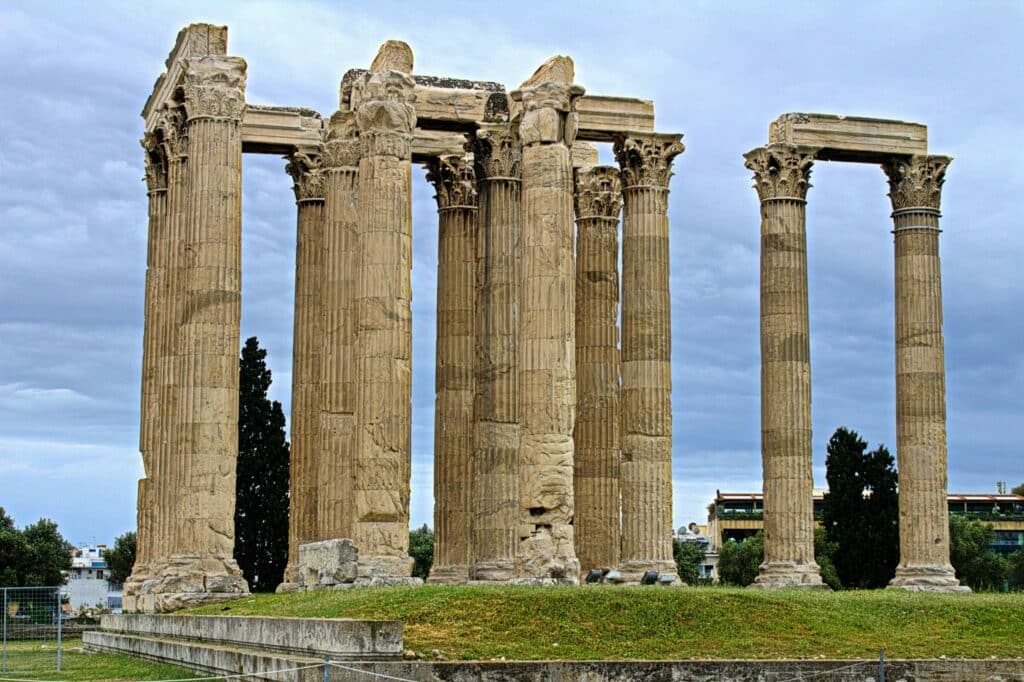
(598, 192)
(308, 176)
(781, 170)
(916, 182)
(341, 142)
(549, 112)
(385, 115)
(215, 87)
(155, 162)
(172, 131)
(646, 160)
(454, 180)
(497, 152)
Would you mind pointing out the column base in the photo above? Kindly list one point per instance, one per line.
(927, 578)
(632, 572)
(452, 574)
(783, 575)
(183, 581)
(496, 571)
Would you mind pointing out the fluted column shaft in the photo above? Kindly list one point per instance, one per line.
(781, 176)
(495, 466)
(209, 334)
(915, 190)
(455, 183)
(596, 435)
(155, 310)
(306, 351)
(547, 334)
(383, 318)
(340, 160)
(646, 473)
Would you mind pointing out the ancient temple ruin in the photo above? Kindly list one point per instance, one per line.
(553, 439)
(782, 172)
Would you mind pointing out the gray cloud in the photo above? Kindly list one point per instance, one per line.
(72, 210)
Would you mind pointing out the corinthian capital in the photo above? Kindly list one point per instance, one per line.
(454, 180)
(781, 170)
(916, 182)
(497, 152)
(171, 130)
(385, 115)
(308, 176)
(646, 160)
(155, 162)
(341, 141)
(549, 112)
(215, 87)
(598, 192)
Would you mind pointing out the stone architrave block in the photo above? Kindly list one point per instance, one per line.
(327, 563)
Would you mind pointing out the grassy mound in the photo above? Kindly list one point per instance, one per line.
(615, 623)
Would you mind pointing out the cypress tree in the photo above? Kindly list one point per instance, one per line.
(261, 507)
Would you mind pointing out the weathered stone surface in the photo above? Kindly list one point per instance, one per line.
(454, 180)
(782, 178)
(915, 188)
(849, 138)
(646, 469)
(547, 364)
(596, 472)
(383, 324)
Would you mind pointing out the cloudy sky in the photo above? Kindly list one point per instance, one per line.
(73, 214)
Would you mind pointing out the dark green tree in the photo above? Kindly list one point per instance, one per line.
(47, 556)
(261, 506)
(1019, 490)
(421, 549)
(12, 551)
(1016, 576)
(976, 565)
(689, 557)
(738, 562)
(121, 557)
(824, 550)
(860, 513)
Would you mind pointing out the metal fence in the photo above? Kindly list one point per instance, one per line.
(32, 623)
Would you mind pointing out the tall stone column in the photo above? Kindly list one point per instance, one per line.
(547, 331)
(782, 178)
(495, 471)
(455, 183)
(337, 290)
(207, 420)
(151, 413)
(646, 163)
(383, 317)
(596, 477)
(306, 352)
(915, 188)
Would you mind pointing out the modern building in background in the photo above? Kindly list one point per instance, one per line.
(87, 585)
(737, 516)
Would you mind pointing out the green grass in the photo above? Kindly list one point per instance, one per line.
(37, 660)
(603, 622)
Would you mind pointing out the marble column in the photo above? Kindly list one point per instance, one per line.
(782, 178)
(155, 309)
(307, 342)
(915, 188)
(337, 290)
(383, 319)
(495, 468)
(646, 480)
(455, 183)
(547, 332)
(596, 435)
(208, 345)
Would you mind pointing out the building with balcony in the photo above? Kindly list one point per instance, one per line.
(737, 516)
(87, 584)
